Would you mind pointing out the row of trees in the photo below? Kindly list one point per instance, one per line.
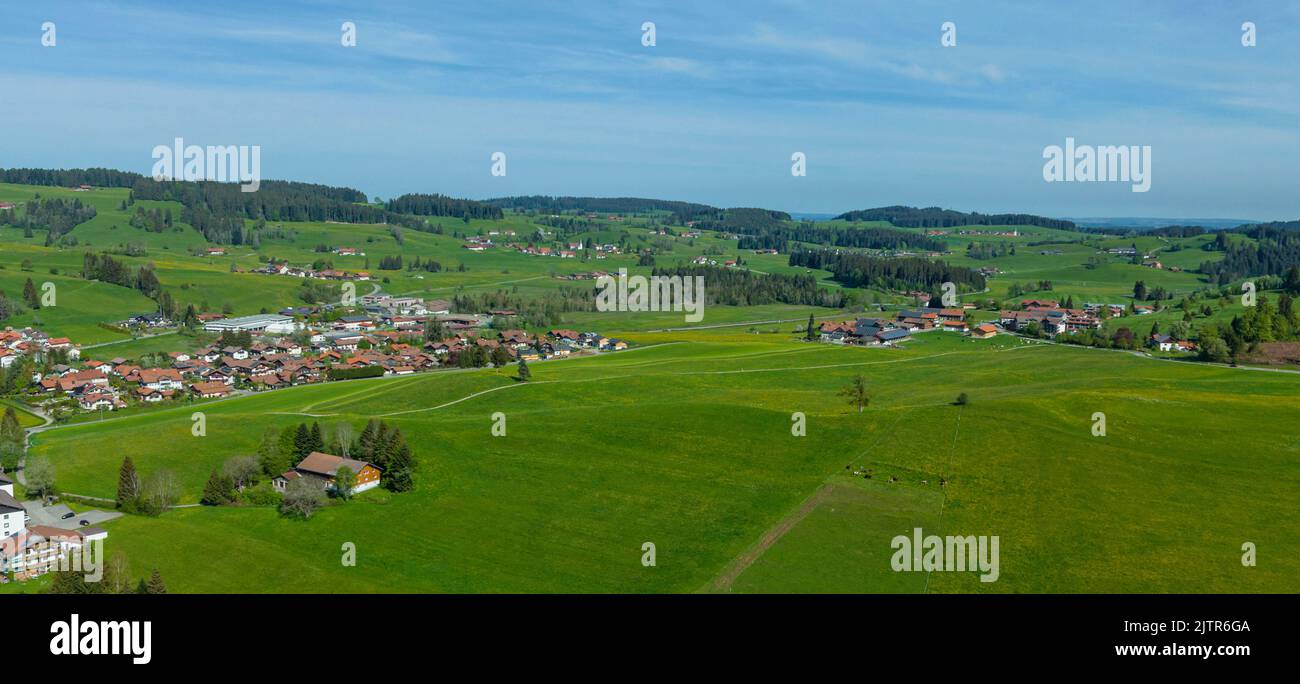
(780, 236)
(441, 205)
(937, 217)
(115, 580)
(681, 211)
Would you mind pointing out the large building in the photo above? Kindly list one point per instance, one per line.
(268, 323)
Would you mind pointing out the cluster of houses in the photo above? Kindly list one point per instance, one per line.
(388, 335)
(15, 344)
(482, 243)
(282, 268)
(1053, 319)
(30, 548)
(891, 331)
(1050, 318)
(710, 261)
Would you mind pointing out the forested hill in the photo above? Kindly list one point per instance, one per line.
(607, 205)
(937, 217)
(1274, 250)
(218, 210)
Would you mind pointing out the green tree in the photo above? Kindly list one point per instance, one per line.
(128, 485)
(11, 430)
(155, 585)
(524, 373)
(302, 441)
(857, 393)
(220, 490)
(30, 295)
(812, 328)
(40, 476)
(344, 482)
(317, 439)
(271, 457)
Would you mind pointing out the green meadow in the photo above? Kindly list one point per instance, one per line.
(686, 443)
(685, 440)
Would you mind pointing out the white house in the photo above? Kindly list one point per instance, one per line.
(12, 513)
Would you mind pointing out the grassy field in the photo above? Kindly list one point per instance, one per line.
(686, 443)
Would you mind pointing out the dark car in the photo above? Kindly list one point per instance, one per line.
(85, 523)
(68, 515)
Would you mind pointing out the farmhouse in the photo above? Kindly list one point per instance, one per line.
(322, 468)
(208, 390)
(983, 332)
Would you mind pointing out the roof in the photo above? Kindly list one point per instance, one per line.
(54, 532)
(893, 334)
(8, 502)
(320, 463)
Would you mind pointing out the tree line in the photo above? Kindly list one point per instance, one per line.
(855, 269)
(441, 205)
(938, 217)
(738, 287)
(780, 236)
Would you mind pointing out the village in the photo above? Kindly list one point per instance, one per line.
(1034, 318)
(387, 336)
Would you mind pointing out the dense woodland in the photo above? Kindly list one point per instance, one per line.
(683, 211)
(742, 220)
(1276, 250)
(441, 205)
(906, 274)
(734, 287)
(58, 216)
(937, 217)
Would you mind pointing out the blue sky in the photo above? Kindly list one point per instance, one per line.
(711, 113)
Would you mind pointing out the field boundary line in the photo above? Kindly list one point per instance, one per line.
(741, 563)
(465, 398)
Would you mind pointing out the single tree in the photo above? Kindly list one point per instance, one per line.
(344, 482)
(218, 491)
(524, 373)
(155, 584)
(128, 485)
(857, 393)
(961, 399)
(302, 441)
(812, 328)
(40, 476)
(302, 498)
(242, 471)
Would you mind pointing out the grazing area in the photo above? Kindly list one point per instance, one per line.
(686, 443)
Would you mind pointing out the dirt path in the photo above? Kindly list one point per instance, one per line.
(742, 562)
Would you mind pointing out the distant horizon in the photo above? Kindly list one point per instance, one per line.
(1086, 221)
